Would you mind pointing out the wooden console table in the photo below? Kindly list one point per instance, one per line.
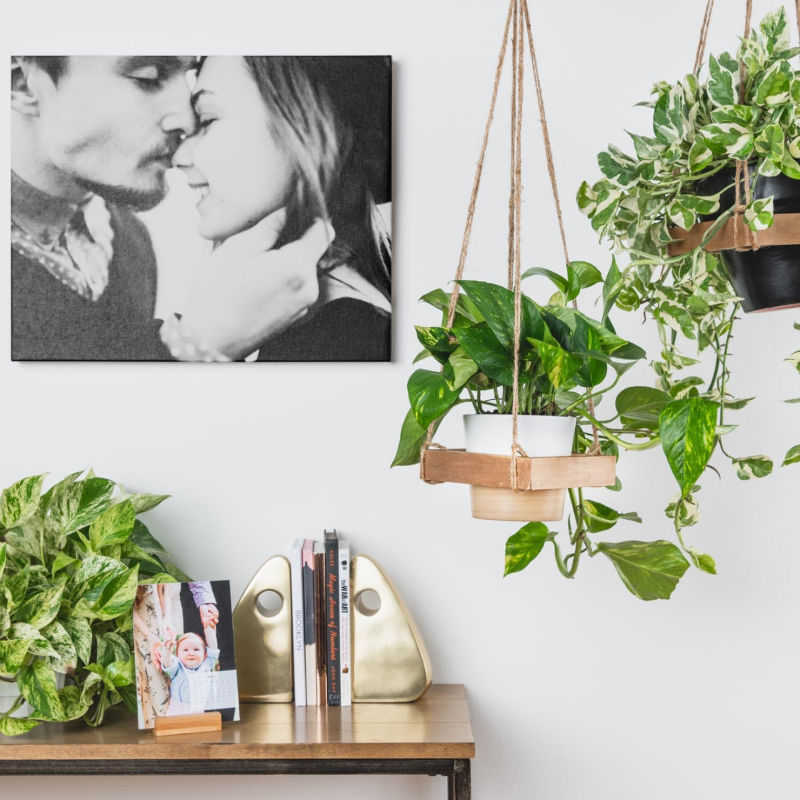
(432, 736)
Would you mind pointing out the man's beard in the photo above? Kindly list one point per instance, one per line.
(137, 199)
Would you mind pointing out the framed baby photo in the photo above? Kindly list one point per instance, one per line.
(183, 650)
(201, 208)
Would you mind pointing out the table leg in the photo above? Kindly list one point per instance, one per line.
(459, 785)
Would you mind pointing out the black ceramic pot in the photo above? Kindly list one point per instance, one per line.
(768, 278)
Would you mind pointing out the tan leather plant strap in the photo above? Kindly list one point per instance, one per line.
(785, 229)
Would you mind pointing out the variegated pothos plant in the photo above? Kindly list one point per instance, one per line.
(701, 125)
(70, 562)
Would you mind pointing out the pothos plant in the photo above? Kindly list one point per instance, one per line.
(568, 363)
(70, 562)
(701, 125)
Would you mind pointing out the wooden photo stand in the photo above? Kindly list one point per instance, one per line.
(188, 723)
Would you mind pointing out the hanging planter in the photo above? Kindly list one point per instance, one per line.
(516, 362)
(720, 173)
(764, 271)
(542, 478)
(706, 210)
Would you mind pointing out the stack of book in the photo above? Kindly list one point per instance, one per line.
(320, 572)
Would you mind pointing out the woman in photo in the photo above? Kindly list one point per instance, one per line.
(284, 147)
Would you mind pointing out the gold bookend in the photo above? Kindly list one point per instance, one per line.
(390, 662)
(264, 640)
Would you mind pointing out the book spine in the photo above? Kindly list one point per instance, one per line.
(298, 629)
(309, 622)
(332, 635)
(319, 614)
(344, 623)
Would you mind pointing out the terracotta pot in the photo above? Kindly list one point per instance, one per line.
(540, 437)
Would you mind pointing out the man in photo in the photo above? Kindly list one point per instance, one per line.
(91, 140)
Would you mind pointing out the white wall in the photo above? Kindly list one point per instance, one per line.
(577, 689)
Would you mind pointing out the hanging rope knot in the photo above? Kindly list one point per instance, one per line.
(517, 450)
(744, 239)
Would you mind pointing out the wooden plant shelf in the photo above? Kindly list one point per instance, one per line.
(482, 469)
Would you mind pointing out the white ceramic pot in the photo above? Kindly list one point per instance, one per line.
(540, 437)
(9, 692)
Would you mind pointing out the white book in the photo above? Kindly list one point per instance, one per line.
(298, 628)
(345, 659)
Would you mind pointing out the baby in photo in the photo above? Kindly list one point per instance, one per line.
(189, 669)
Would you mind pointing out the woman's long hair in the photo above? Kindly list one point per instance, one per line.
(338, 140)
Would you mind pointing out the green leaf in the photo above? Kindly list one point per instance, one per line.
(700, 155)
(702, 561)
(730, 138)
(67, 659)
(560, 366)
(146, 502)
(121, 673)
(412, 437)
(41, 608)
(687, 437)
(641, 406)
(73, 702)
(600, 517)
(80, 631)
(112, 647)
(15, 587)
(79, 504)
(669, 116)
(771, 142)
(581, 275)
(12, 655)
(464, 367)
(15, 726)
(485, 349)
(523, 546)
(148, 564)
(650, 570)
(37, 683)
(684, 510)
(37, 644)
(437, 341)
(792, 456)
(430, 396)
(753, 467)
(758, 214)
(20, 501)
(142, 537)
(117, 597)
(113, 526)
(466, 310)
(774, 87)
(724, 80)
(496, 303)
(559, 280)
(2, 558)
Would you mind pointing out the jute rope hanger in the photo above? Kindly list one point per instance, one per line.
(742, 240)
(518, 9)
(735, 235)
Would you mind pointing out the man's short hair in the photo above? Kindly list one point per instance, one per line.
(54, 66)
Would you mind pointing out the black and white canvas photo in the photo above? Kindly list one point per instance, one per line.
(201, 208)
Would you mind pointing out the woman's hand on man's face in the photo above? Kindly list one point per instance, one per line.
(247, 292)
